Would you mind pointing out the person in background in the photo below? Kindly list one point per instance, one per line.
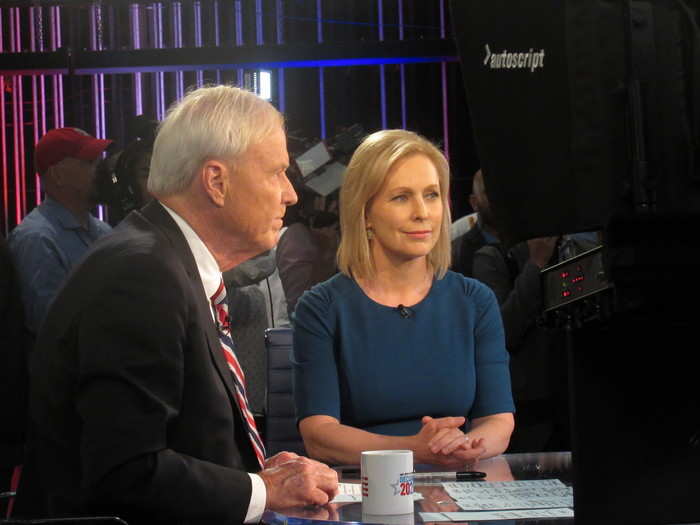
(54, 236)
(261, 272)
(537, 354)
(484, 232)
(397, 352)
(138, 405)
(306, 252)
(537, 357)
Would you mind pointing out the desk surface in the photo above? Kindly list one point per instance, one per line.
(548, 465)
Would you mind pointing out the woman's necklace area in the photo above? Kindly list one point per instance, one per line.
(385, 293)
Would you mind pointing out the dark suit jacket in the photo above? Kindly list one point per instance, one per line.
(131, 402)
(537, 354)
(463, 249)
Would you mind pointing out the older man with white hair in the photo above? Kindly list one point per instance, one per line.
(138, 402)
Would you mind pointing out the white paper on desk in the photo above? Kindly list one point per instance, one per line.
(510, 495)
(352, 492)
(496, 515)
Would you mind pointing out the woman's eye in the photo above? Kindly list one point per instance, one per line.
(399, 198)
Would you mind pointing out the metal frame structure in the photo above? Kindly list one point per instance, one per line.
(94, 64)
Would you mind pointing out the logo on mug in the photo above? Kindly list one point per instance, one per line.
(404, 486)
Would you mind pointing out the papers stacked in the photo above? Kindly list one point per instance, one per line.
(496, 515)
(543, 498)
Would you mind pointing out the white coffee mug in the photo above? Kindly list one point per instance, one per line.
(387, 481)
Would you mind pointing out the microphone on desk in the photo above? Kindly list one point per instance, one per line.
(404, 311)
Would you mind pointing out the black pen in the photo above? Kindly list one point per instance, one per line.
(468, 475)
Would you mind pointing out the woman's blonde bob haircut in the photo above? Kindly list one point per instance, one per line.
(364, 177)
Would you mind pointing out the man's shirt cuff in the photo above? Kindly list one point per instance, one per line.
(258, 499)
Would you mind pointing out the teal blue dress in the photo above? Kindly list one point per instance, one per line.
(381, 369)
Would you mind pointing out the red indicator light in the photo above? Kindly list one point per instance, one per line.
(566, 293)
(564, 275)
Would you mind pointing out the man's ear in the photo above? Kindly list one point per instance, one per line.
(473, 202)
(55, 175)
(215, 181)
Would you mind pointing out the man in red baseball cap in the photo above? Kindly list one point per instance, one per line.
(56, 234)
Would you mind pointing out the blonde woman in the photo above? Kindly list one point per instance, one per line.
(395, 351)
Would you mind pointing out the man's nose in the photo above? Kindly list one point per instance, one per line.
(289, 196)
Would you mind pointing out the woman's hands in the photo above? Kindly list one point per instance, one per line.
(441, 442)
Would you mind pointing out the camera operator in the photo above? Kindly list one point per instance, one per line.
(537, 354)
(306, 251)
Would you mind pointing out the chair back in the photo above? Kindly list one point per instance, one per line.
(281, 425)
(248, 314)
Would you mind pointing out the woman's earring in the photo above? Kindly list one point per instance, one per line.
(370, 234)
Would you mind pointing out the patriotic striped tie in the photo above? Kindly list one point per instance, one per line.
(222, 323)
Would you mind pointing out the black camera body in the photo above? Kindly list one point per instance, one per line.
(121, 177)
